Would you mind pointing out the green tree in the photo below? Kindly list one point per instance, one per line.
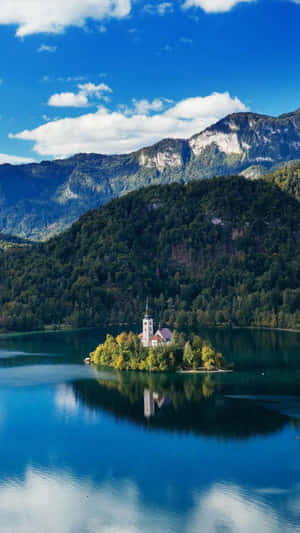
(188, 355)
(208, 356)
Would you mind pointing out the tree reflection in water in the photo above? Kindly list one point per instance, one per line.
(221, 406)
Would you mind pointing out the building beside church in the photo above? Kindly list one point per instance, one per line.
(149, 339)
(154, 401)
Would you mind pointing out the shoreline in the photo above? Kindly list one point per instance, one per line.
(264, 328)
(41, 331)
(203, 371)
(66, 329)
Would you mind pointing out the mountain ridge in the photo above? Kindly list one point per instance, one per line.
(38, 200)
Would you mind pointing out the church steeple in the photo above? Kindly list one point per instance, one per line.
(147, 328)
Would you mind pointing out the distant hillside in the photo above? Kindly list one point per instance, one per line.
(40, 200)
(212, 252)
(287, 178)
(9, 241)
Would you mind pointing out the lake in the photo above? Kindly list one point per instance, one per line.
(84, 451)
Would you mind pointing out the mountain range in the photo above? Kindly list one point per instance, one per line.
(40, 200)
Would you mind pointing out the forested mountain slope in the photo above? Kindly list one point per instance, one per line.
(287, 178)
(220, 251)
(41, 200)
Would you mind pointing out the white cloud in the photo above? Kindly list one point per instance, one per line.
(143, 107)
(77, 506)
(14, 159)
(214, 6)
(65, 399)
(96, 90)
(80, 99)
(119, 506)
(117, 132)
(68, 100)
(35, 16)
(165, 7)
(161, 8)
(47, 48)
(229, 508)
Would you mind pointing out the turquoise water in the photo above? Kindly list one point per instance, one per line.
(98, 451)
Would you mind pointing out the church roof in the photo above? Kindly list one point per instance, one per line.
(164, 334)
(157, 338)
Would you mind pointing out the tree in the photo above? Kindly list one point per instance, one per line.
(122, 338)
(208, 356)
(172, 361)
(218, 359)
(120, 362)
(188, 356)
(207, 387)
(151, 361)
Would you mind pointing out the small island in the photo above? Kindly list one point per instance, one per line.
(164, 351)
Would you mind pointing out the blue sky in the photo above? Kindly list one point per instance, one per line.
(113, 75)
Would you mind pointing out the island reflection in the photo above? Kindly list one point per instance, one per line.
(213, 405)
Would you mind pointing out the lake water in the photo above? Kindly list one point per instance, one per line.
(83, 451)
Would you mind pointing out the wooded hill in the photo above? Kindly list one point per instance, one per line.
(213, 252)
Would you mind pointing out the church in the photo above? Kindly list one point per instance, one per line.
(163, 336)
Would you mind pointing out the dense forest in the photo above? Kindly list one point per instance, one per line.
(223, 252)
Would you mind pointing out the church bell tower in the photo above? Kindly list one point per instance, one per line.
(147, 328)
